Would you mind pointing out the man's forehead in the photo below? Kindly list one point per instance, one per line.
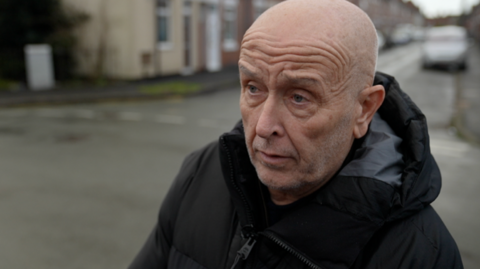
(301, 64)
(276, 43)
(297, 76)
(317, 22)
(322, 54)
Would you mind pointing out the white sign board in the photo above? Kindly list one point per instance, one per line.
(38, 59)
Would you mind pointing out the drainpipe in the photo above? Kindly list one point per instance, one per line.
(156, 54)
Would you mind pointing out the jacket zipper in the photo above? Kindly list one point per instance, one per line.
(244, 251)
(265, 211)
(232, 179)
(286, 247)
(248, 231)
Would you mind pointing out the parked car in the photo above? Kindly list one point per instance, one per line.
(402, 34)
(446, 46)
(418, 34)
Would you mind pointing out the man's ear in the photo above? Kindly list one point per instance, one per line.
(370, 99)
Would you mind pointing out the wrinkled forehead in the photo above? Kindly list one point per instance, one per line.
(322, 59)
(278, 43)
(333, 35)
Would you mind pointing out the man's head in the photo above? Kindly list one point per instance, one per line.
(306, 69)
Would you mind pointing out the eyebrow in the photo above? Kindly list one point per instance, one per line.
(247, 71)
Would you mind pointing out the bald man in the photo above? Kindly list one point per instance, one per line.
(330, 166)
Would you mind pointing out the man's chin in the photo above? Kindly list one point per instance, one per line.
(279, 181)
(274, 167)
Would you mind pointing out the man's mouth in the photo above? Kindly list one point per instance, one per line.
(271, 159)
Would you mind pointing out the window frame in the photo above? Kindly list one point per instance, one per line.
(230, 22)
(164, 12)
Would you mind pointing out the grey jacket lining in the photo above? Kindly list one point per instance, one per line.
(379, 157)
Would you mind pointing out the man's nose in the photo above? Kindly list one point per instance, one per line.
(269, 122)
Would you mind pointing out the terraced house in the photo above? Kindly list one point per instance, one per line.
(134, 39)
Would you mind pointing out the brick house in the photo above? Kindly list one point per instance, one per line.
(473, 22)
(387, 14)
(134, 39)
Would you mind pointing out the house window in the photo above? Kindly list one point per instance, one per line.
(164, 21)
(259, 6)
(230, 28)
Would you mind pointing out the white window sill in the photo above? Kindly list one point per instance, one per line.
(164, 46)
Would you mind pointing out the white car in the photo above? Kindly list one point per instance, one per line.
(446, 46)
(402, 34)
(418, 34)
(380, 40)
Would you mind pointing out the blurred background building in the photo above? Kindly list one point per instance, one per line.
(131, 39)
(387, 14)
(138, 39)
(472, 22)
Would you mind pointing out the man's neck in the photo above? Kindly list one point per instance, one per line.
(285, 197)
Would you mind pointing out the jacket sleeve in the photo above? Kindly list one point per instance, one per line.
(155, 252)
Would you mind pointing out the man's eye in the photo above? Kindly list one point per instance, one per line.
(298, 98)
(252, 89)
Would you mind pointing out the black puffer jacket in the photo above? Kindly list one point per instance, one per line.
(375, 213)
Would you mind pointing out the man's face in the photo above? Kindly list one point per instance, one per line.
(298, 119)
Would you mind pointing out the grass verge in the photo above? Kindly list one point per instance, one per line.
(174, 87)
(7, 85)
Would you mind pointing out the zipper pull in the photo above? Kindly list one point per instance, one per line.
(244, 251)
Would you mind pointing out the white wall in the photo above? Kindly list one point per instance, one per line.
(124, 30)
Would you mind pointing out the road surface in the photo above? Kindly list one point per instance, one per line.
(81, 184)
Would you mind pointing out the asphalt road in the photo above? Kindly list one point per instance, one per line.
(81, 185)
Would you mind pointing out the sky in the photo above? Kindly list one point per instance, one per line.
(436, 8)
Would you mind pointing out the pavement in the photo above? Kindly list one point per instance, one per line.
(468, 98)
(209, 81)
